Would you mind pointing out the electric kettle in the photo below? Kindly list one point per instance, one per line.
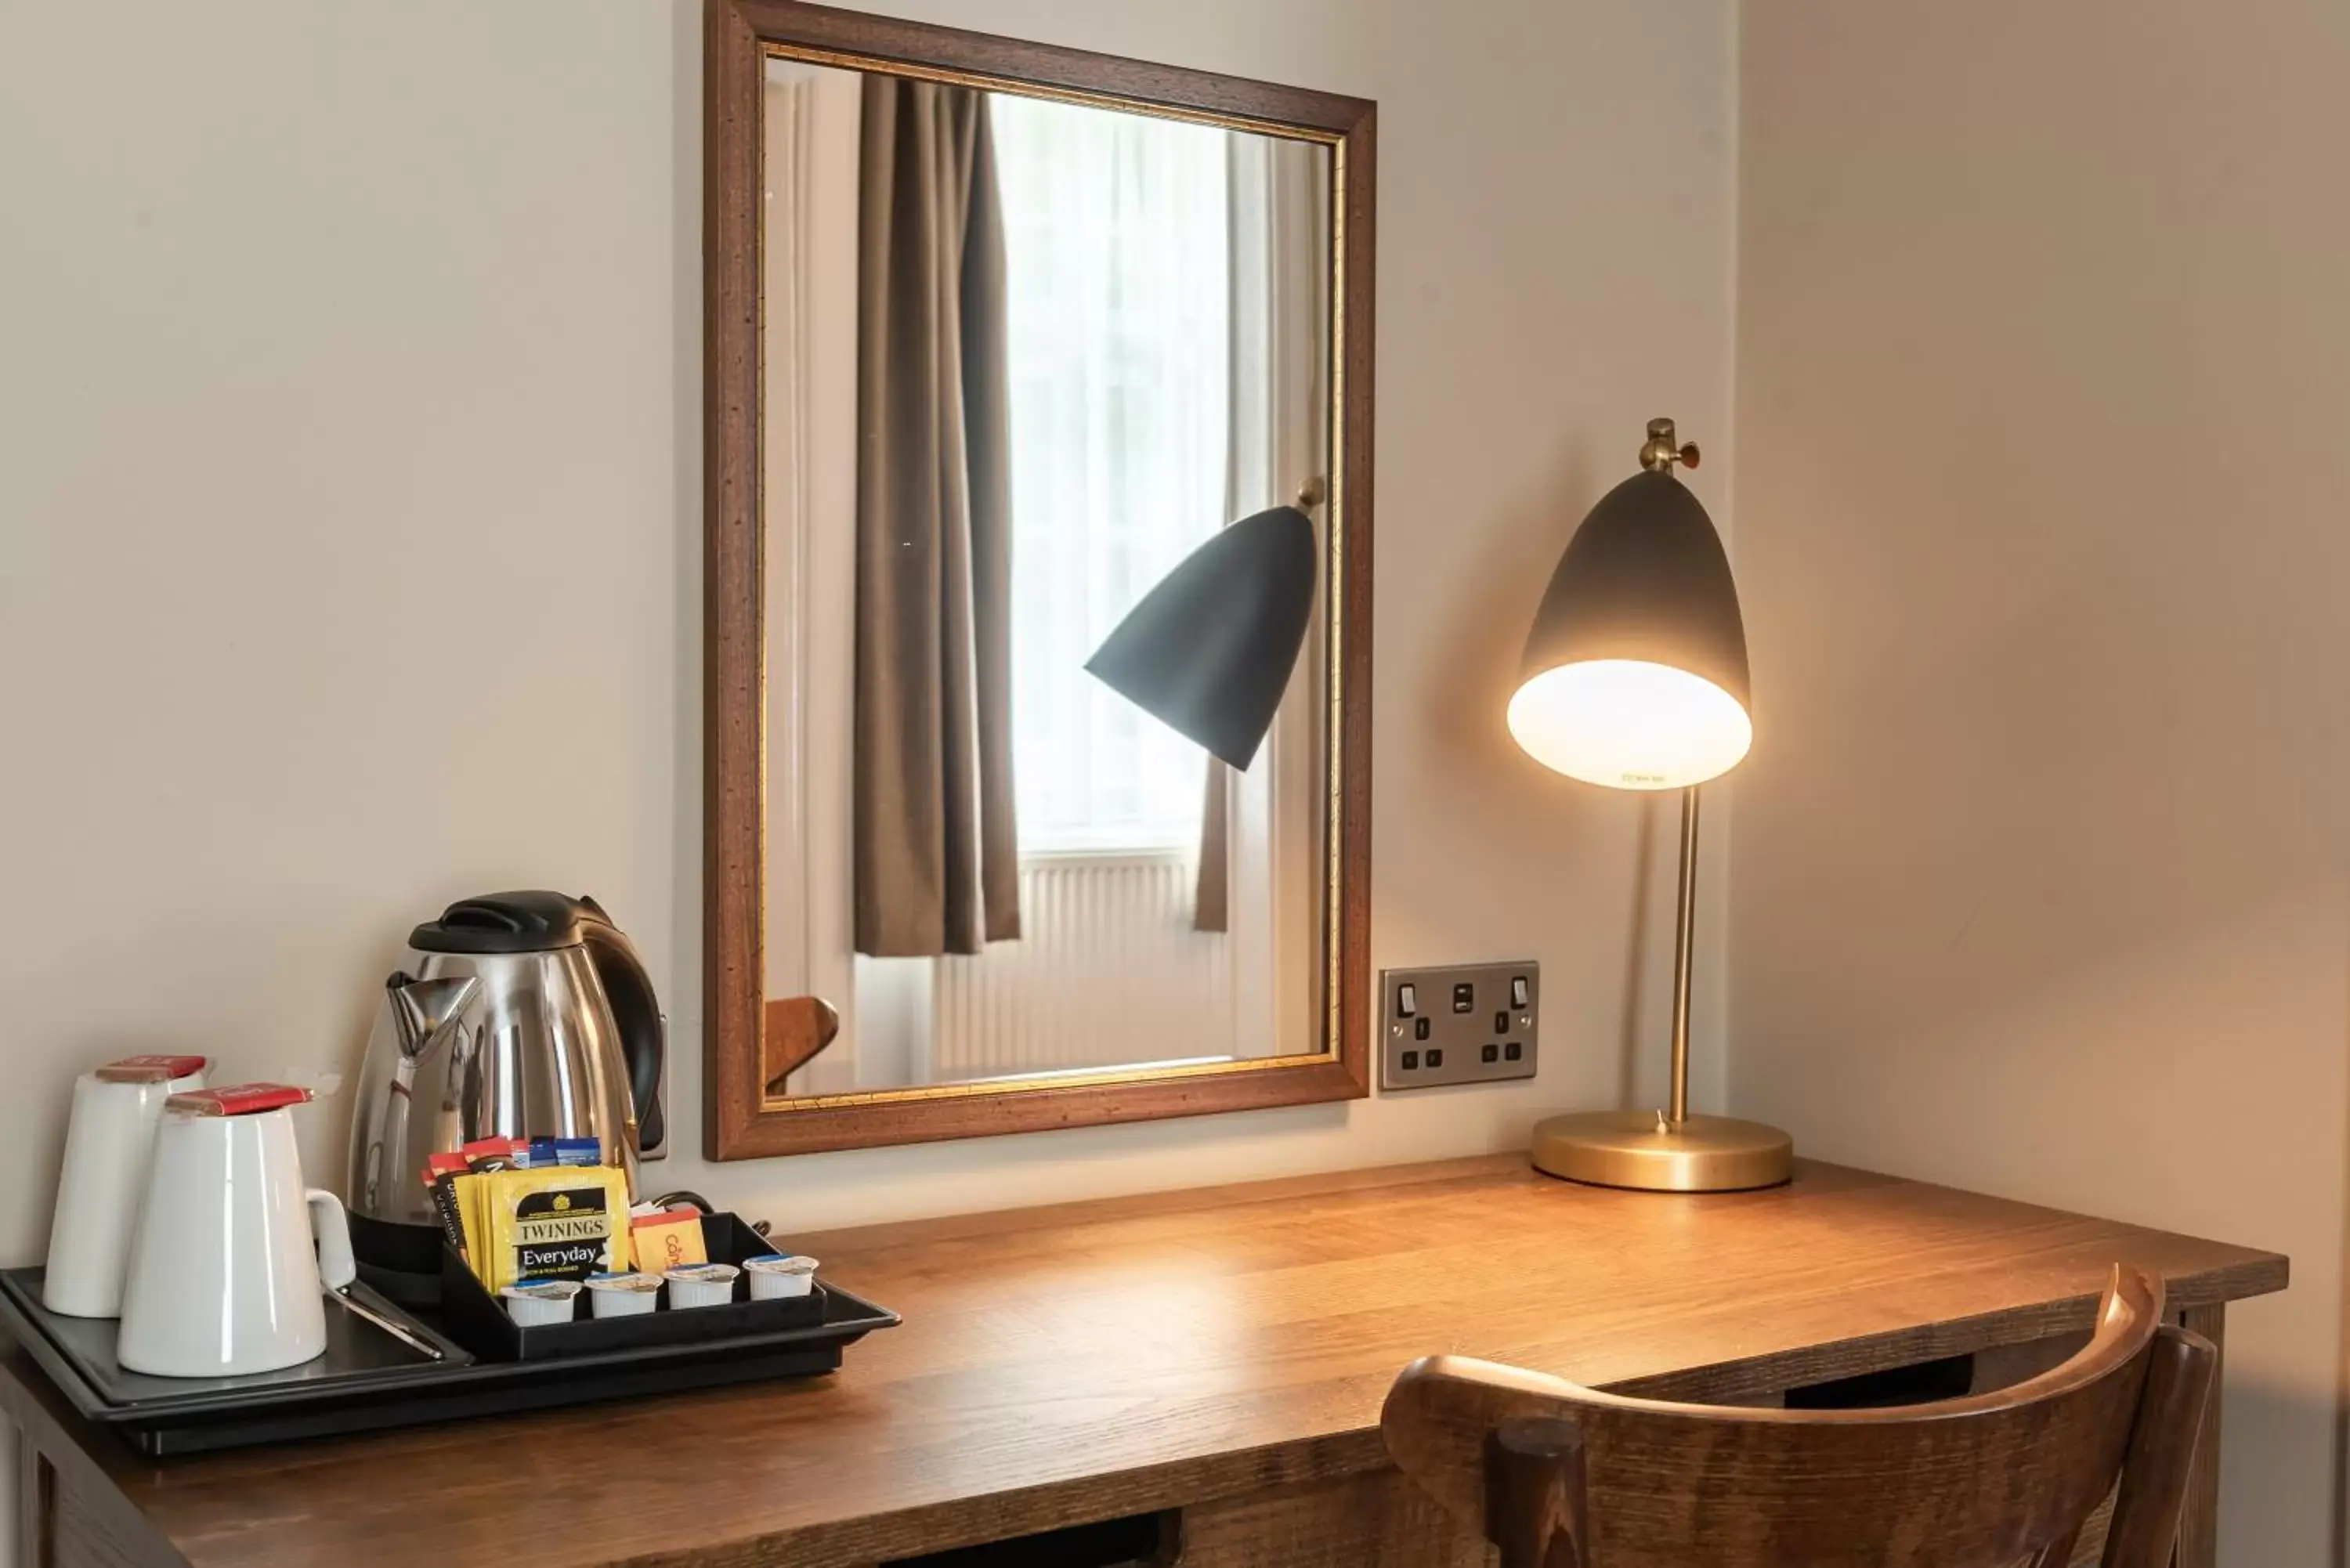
(516, 1015)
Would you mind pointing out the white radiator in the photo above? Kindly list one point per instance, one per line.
(1107, 971)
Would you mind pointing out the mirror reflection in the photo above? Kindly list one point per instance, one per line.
(1022, 357)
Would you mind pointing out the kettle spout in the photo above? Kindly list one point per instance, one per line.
(421, 1009)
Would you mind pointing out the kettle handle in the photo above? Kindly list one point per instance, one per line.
(337, 1267)
(644, 1031)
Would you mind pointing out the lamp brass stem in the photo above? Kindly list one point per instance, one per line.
(1684, 937)
(1668, 1150)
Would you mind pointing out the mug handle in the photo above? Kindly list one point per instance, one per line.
(337, 1267)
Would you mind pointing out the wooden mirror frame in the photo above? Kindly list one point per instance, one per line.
(741, 1120)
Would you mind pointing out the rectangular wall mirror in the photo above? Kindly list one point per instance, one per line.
(1000, 336)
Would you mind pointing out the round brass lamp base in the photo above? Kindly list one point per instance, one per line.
(1641, 1149)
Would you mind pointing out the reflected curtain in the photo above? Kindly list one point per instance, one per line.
(1278, 235)
(936, 841)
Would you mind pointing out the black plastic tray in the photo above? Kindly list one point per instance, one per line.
(367, 1380)
(479, 1320)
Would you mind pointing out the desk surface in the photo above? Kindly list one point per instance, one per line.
(1097, 1359)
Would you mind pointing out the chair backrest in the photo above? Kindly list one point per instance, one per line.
(1560, 1476)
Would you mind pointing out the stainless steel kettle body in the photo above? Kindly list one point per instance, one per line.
(546, 1028)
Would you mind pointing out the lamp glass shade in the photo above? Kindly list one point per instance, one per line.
(1629, 725)
(1635, 672)
(1209, 651)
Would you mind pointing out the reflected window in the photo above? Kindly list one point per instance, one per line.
(1118, 329)
(1162, 316)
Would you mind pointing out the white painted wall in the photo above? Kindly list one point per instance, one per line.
(350, 502)
(2041, 883)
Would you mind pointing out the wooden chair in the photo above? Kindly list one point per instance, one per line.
(1560, 1476)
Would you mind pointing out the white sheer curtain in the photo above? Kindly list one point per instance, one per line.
(1281, 396)
(1119, 301)
(810, 448)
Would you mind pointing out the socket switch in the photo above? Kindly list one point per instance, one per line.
(1474, 1023)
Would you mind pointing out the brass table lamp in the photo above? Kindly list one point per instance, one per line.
(1635, 678)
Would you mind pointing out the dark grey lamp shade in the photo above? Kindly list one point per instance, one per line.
(1210, 649)
(1635, 672)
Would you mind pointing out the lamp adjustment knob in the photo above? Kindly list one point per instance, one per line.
(1661, 452)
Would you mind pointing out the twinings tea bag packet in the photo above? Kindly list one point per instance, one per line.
(562, 1222)
(473, 1223)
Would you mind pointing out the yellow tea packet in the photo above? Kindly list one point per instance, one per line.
(465, 1192)
(669, 1240)
(560, 1223)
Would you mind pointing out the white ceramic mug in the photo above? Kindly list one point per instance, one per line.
(224, 1274)
(109, 1139)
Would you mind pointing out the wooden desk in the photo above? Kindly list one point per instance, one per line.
(1220, 1352)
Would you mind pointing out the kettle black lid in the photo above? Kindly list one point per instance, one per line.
(524, 922)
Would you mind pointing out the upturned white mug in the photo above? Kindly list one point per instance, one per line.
(226, 1271)
(109, 1139)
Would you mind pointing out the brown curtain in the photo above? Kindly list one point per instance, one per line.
(936, 846)
(1211, 893)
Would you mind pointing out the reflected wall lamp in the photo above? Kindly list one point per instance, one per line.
(1209, 649)
(1635, 678)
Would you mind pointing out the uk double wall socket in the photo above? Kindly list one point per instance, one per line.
(1472, 1023)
